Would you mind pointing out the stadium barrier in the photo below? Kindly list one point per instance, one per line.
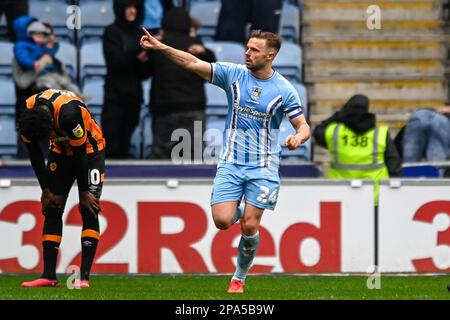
(165, 226)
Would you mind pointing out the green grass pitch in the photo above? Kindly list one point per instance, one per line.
(205, 287)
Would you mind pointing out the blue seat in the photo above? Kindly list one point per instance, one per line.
(7, 96)
(421, 171)
(92, 61)
(207, 13)
(3, 28)
(55, 13)
(216, 100)
(67, 54)
(301, 90)
(146, 87)
(93, 89)
(288, 61)
(95, 16)
(147, 135)
(6, 56)
(227, 51)
(135, 150)
(8, 137)
(215, 125)
(303, 153)
(290, 23)
(138, 138)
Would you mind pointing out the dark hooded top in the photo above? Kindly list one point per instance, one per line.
(355, 115)
(173, 88)
(120, 48)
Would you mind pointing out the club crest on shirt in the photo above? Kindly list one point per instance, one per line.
(256, 92)
(78, 131)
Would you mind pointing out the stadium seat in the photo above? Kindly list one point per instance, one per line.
(93, 89)
(290, 23)
(67, 54)
(421, 171)
(207, 13)
(55, 13)
(7, 96)
(8, 137)
(138, 139)
(303, 153)
(146, 87)
(301, 90)
(3, 29)
(92, 61)
(216, 100)
(96, 15)
(215, 125)
(227, 51)
(288, 62)
(6, 56)
(147, 136)
(135, 144)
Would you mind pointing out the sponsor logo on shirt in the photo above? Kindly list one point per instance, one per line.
(78, 131)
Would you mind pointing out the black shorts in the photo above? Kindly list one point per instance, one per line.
(62, 173)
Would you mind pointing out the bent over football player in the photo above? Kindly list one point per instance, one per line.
(76, 153)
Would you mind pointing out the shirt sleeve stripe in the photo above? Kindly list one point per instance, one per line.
(290, 113)
(295, 115)
(292, 109)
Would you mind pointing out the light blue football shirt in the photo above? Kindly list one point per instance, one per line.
(255, 110)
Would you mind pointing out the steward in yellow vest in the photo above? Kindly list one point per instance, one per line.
(358, 149)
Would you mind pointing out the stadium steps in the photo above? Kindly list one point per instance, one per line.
(375, 50)
(400, 67)
(354, 10)
(400, 31)
(401, 93)
(367, 70)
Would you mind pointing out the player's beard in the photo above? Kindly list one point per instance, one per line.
(255, 66)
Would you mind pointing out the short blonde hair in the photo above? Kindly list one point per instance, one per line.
(272, 40)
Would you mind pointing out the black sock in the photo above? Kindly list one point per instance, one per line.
(88, 248)
(51, 238)
(89, 241)
(50, 250)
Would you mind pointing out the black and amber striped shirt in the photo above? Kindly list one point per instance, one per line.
(73, 124)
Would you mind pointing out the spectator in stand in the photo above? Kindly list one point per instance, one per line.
(155, 11)
(13, 9)
(427, 135)
(177, 97)
(235, 14)
(125, 63)
(36, 61)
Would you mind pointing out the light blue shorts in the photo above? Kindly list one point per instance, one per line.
(259, 185)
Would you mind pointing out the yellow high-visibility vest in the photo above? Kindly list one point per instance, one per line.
(357, 156)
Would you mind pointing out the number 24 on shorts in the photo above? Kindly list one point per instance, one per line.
(266, 196)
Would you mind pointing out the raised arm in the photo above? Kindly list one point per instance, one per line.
(181, 58)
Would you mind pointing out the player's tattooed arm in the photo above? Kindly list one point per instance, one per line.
(179, 57)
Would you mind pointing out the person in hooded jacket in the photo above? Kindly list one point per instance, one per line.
(125, 62)
(359, 149)
(177, 96)
(13, 9)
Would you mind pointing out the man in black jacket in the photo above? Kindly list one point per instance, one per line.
(125, 63)
(355, 115)
(177, 97)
